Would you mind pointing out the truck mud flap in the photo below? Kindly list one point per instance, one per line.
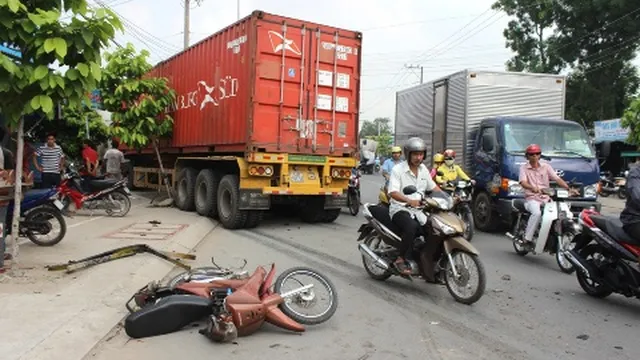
(251, 199)
(335, 201)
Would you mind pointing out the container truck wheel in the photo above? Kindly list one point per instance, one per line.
(254, 218)
(229, 214)
(483, 214)
(206, 193)
(331, 215)
(313, 210)
(186, 188)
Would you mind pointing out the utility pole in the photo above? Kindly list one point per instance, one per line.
(238, 8)
(187, 7)
(417, 67)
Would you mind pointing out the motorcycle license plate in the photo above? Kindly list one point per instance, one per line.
(126, 189)
(58, 204)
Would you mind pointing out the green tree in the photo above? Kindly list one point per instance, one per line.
(385, 141)
(138, 103)
(530, 35)
(27, 84)
(377, 126)
(631, 120)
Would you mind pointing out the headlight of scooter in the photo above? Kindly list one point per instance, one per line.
(440, 225)
(515, 189)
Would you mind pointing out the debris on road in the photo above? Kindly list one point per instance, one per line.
(119, 253)
(506, 277)
(582, 337)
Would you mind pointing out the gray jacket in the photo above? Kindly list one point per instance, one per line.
(631, 213)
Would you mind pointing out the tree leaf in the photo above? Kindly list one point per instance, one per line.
(40, 72)
(83, 69)
(46, 103)
(87, 36)
(49, 45)
(72, 74)
(96, 71)
(14, 5)
(29, 26)
(35, 102)
(61, 46)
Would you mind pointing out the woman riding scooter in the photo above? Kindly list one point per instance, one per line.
(450, 170)
(438, 159)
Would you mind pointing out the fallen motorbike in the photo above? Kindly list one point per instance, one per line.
(444, 253)
(612, 185)
(353, 193)
(236, 304)
(77, 193)
(556, 231)
(609, 259)
(462, 192)
(39, 210)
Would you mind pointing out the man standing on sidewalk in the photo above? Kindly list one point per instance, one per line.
(52, 162)
(6, 193)
(114, 159)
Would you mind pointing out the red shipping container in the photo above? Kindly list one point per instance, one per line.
(270, 84)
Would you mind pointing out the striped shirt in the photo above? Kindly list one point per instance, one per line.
(50, 158)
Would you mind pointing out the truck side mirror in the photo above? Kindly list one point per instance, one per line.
(487, 143)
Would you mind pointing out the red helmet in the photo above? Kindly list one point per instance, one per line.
(449, 153)
(533, 149)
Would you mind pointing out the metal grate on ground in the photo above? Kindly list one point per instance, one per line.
(146, 231)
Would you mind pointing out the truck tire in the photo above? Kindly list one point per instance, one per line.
(483, 215)
(254, 218)
(186, 188)
(206, 193)
(331, 215)
(313, 210)
(229, 214)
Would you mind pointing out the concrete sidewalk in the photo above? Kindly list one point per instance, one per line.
(611, 205)
(53, 315)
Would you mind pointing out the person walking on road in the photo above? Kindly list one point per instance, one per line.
(52, 158)
(630, 215)
(114, 159)
(6, 194)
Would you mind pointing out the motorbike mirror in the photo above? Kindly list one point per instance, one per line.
(439, 173)
(411, 189)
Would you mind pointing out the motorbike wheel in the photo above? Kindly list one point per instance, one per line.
(467, 217)
(120, 197)
(354, 203)
(589, 286)
(374, 272)
(604, 193)
(306, 299)
(463, 278)
(39, 212)
(563, 263)
(622, 193)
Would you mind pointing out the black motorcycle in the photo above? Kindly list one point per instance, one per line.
(607, 258)
(612, 185)
(353, 193)
(462, 192)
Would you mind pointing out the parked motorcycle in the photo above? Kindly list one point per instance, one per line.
(39, 210)
(612, 185)
(235, 303)
(111, 195)
(353, 193)
(556, 231)
(462, 192)
(609, 261)
(445, 256)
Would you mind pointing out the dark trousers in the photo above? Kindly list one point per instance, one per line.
(410, 228)
(632, 230)
(50, 180)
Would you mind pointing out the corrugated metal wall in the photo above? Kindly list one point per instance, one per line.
(456, 106)
(414, 111)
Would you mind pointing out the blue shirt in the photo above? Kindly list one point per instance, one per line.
(388, 166)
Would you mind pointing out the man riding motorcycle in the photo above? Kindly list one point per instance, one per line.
(409, 219)
(450, 169)
(534, 177)
(630, 216)
(388, 165)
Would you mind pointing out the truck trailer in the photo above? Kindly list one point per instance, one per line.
(488, 118)
(266, 113)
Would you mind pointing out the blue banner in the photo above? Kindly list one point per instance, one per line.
(5, 48)
(609, 130)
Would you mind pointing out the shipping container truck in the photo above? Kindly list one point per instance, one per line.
(266, 113)
(488, 118)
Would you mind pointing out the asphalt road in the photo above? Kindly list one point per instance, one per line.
(530, 310)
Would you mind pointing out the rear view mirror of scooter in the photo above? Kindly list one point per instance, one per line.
(408, 190)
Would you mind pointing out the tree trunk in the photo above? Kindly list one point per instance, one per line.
(15, 223)
(163, 176)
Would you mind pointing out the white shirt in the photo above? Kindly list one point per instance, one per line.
(401, 177)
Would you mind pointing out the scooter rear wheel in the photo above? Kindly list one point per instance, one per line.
(307, 297)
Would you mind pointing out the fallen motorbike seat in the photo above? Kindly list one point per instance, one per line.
(97, 185)
(168, 315)
(381, 213)
(612, 226)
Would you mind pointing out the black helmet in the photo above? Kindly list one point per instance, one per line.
(415, 144)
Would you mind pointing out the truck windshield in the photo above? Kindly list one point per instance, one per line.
(554, 139)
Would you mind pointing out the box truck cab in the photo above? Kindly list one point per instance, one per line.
(499, 154)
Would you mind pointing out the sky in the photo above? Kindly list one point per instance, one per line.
(442, 36)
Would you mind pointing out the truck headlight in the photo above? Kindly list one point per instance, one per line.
(591, 191)
(515, 189)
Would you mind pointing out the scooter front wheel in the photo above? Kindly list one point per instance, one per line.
(465, 265)
(294, 305)
(354, 203)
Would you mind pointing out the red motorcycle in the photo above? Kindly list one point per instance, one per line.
(76, 192)
(236, 304)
